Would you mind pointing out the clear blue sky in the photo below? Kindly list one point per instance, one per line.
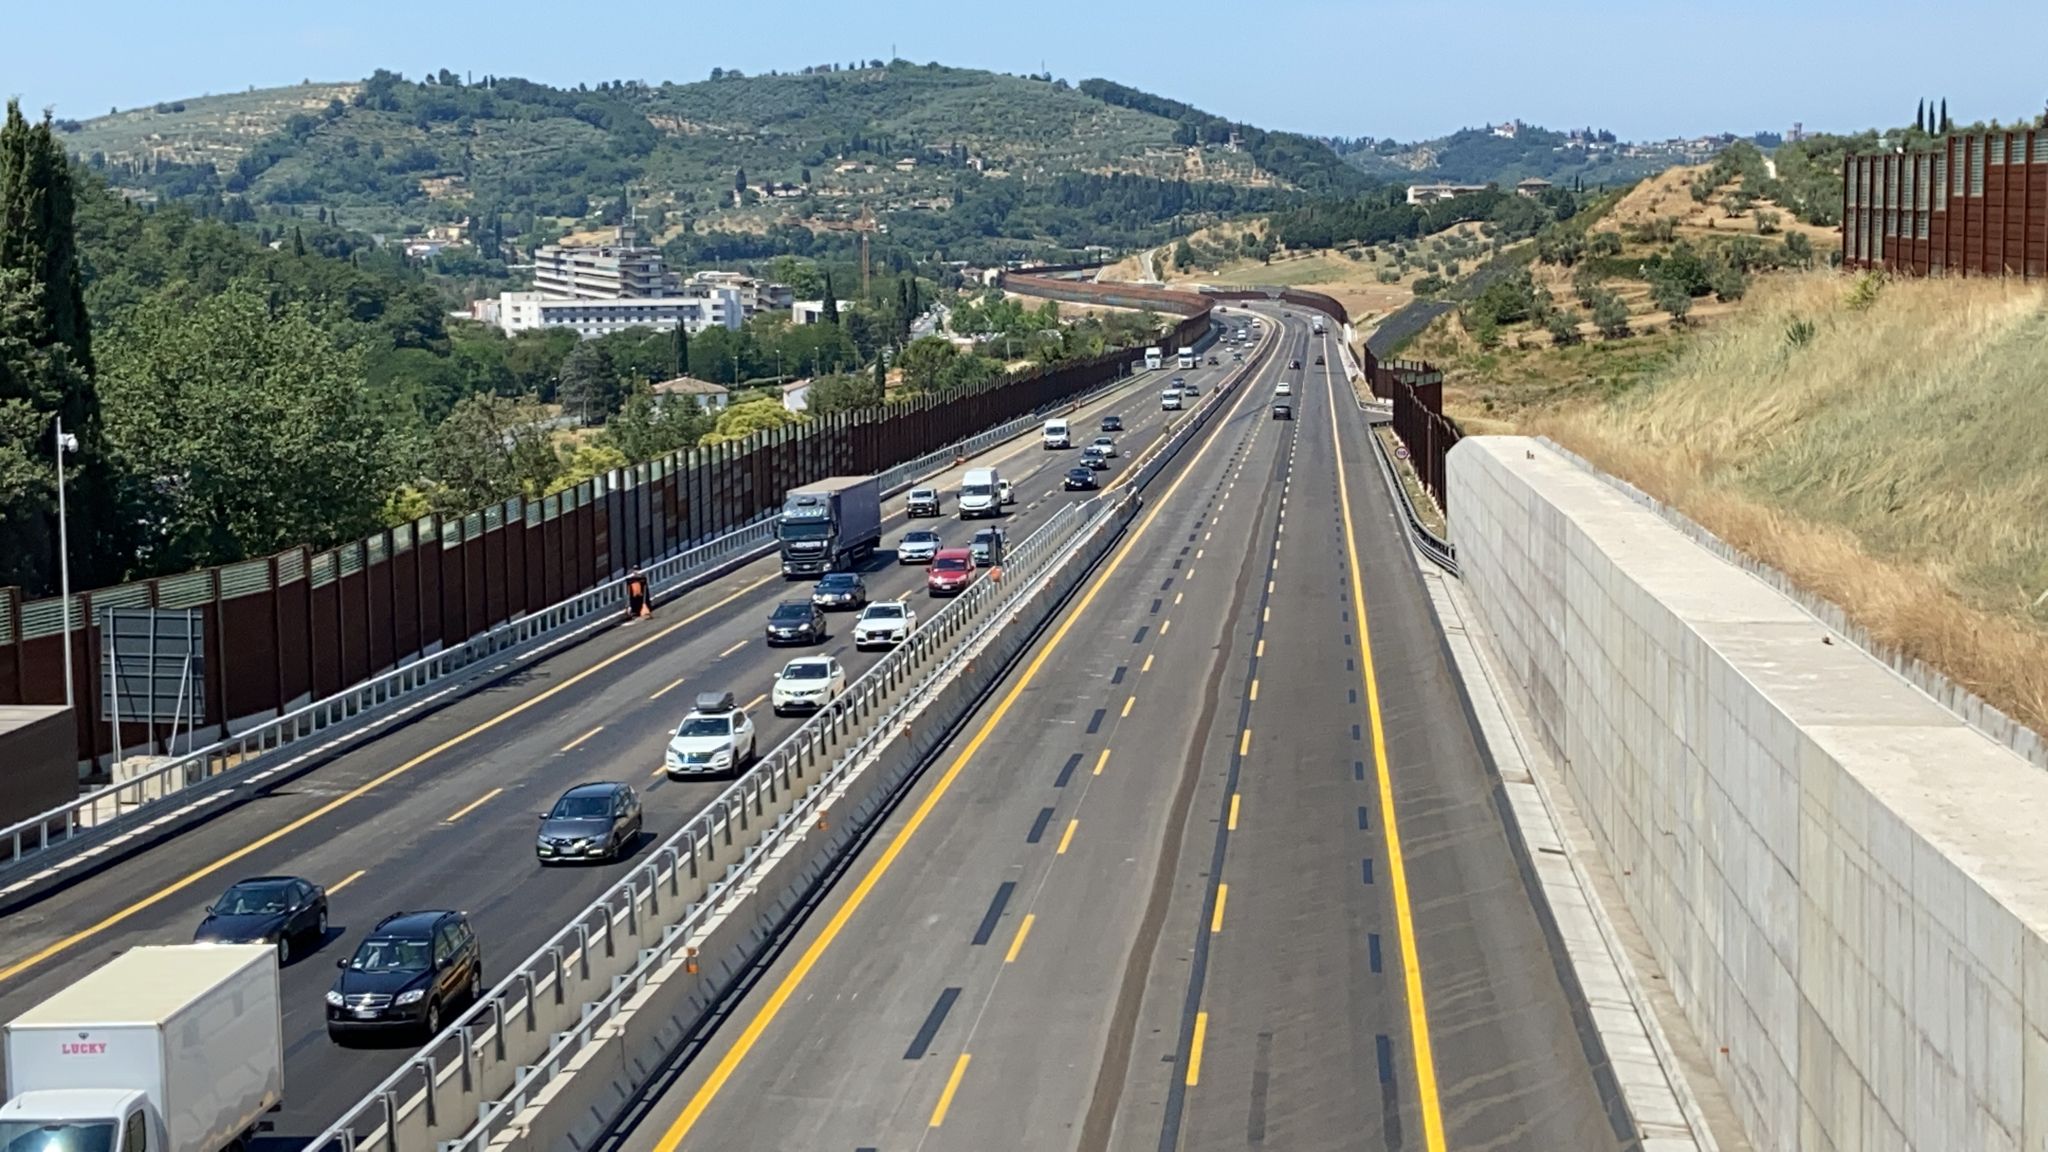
(1404, 69)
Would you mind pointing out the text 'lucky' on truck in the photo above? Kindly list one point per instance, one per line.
(829, 526)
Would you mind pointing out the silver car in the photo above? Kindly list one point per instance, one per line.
(918, 546)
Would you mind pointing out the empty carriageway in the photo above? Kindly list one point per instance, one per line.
(1219, 867)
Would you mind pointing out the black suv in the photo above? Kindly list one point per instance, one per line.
(796, 622)
(406, 976)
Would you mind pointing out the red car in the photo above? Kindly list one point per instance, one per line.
(952, 570)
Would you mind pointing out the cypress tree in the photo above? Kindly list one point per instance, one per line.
(831, 312)
(881, 373)
(1920, 116)
(680, 345)
(1944, 114)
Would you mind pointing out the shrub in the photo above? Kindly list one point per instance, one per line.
(1610, 314)
(1564, 327)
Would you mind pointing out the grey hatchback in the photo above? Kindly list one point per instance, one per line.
(590, 822)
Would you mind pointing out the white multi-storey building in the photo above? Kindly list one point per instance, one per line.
(521, 311)
(602, 272)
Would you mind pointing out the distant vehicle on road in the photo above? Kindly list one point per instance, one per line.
(988, 547)
(1007, 493)
(918, 546)
(797, 622)
(1293, 363)
(599, 821)
(1187, 357)
(1169, 400)
(1284, 388)
(282, 911)
(1108, 446)
(807, 684)
(884, 624)
(1095, 458)
(1112, 423)
(1319, 357)
(1055, 434)
(1080, 480)
(921, 502)
(717, 737)
(952, 570)
(841, 590)
(406, 975)
(1214, 362)
(980, 494)
(1282, 410)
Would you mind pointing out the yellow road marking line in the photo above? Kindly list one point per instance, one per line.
(749, 1036)
(1148, 663)
(1255, 688)
(1216, 921)
(1101, 762)
(1177, 596)
(952, 1086)
(1269, 587)
(1198, 553)
(1195, 1049)
(1397, 868)
(672, 686)
(1017, 943)
(756, 701)
(1067, 837)
(1233, 809)
(1164, 625)
(346, 881)
(1130, 701)
(1266, 615)
(572, 745)
(733, 649)
(1260, 651)
(1244, 742)
(473, 805)
(364, 789)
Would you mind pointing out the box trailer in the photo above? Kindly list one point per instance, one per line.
(163, 1049)
(830, 526)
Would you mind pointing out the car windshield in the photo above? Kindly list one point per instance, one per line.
(923, 493)
(1077, 471)
(974, 490)
(254, 900)
(792, 613)
(815, 530)
(837, 582)
(810, 670)
(390, 954)
(591, 807)
(883, 612)
(705, 726)
(56, 1136)
(951, 564)
(920, 537)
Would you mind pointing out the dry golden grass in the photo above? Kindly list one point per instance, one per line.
(1892, 458)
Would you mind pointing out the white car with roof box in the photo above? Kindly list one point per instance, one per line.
(716, 738)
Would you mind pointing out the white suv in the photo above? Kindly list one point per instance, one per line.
(807, 684)
(884, 624)
(716, 738)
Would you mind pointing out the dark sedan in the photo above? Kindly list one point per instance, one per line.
(1112, 423)
(281, 910)
(841, 590)
(797, 622)
(1080, 480)
(590, 822)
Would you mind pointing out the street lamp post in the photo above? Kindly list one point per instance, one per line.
(65, 443)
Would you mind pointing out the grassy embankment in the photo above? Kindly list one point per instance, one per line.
(1879, 442)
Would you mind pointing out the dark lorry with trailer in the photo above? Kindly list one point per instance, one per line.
(829, 526)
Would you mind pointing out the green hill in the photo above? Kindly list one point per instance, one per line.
(1478, 156)
(973, 163)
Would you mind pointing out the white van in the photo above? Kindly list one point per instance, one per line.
(980, 493)
(1169, 400)
(1056, 435)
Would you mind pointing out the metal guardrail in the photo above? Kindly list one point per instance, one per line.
(476, 1061)
(1438, 550)
(183, 785)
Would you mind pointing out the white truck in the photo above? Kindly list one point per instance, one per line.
(1187, 357)
(980, 493)
(164, 1049)
(1155, 359)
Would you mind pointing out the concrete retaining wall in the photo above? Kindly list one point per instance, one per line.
(1845, 885)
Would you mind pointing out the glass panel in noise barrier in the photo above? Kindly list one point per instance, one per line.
(1956, 168)
(114, 599)
(1940, 162)
(1977, 170)
(451, 533)
(1996, 148)
(188, 589)
(376, 550)
(494, 517)
(6, 615)
(472, 525)
(323, 569)
(401, 539)
(46, 617)
(350, 557)
(291, 566)
(246, 578)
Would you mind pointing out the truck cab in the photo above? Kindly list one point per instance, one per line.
(830, 526)
(83, 1120)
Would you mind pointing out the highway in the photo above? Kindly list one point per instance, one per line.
(441, 813)
(1218, 867)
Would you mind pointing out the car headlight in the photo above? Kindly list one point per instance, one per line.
(721, 759)
(412, 997)
(334, 998)
(674, 759)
